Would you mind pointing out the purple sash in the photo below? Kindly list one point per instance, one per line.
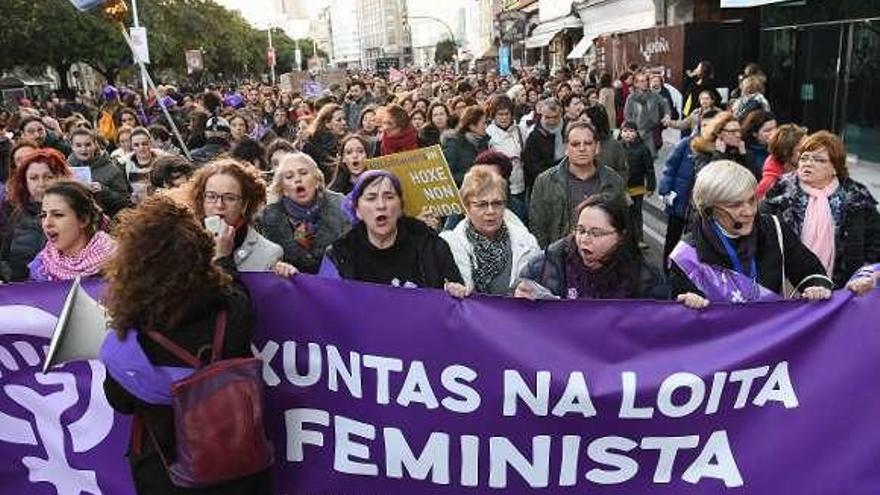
(127, 364)
(717, 283)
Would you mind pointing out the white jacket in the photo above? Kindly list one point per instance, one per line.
(510, 142)
(523, 246)
(256, 253)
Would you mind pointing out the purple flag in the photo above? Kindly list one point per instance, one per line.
(375, 389)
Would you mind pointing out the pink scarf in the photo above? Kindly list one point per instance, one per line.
(818, 230)
(57, 266)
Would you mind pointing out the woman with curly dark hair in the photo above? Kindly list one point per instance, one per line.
(23, 236)
(164, 278)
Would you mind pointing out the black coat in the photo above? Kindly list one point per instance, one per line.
(323, 147)
(548, 270)
(213, 148)
(429, 136)
(800, 262)
(538, 153)
(857, 238)
(747, 160)
(23, 238)
(461, 153)
(436, 264)
(641, 165)
(195, 333)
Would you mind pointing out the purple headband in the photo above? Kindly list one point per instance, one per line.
(349, 206)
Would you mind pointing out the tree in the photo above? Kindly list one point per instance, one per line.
(444, 52)
(37, 33)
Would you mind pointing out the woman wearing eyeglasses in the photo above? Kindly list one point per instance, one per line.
(225, 195)
(492, 246)
(835, 216)
(721, 139)
(600, 259)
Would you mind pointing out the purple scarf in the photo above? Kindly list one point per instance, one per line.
(584, 283)
(303, 220)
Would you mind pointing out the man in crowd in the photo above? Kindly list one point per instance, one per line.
(559, 189)
(647, 109)
(544, 147)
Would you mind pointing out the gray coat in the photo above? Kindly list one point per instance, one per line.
(256, 253)
(332, 225)
(550, 208)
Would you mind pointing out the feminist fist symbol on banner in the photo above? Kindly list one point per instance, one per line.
(47, 409)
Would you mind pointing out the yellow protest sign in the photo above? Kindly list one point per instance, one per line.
(425, 179)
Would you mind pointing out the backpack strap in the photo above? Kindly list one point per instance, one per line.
(219, 335)
(179, 352)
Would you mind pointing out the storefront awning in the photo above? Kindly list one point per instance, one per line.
(546, 31)
(580, 50)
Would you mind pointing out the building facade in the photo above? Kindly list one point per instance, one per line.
(345, 43)
(384, 34)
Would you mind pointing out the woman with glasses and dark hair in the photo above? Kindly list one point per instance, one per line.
(600, 259)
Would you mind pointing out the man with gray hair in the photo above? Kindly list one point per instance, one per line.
(647, 109)
(544, 147)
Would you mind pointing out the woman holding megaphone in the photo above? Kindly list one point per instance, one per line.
(226, 194)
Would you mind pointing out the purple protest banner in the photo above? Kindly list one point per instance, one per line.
(58, 434)
(385, 390)
(382, 390)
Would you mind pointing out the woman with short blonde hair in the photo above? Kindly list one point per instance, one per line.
(303, 216)
(491, 246)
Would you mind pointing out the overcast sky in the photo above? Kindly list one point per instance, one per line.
(254, 10)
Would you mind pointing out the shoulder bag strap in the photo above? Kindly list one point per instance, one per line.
(179, 352)
(219, 335)
(782, 252)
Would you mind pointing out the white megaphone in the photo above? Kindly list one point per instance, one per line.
(80, 331)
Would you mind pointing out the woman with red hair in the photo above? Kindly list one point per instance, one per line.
(23, 235)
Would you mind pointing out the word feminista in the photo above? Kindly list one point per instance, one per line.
(557, 459)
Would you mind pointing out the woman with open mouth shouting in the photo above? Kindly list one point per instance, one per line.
(600, 259)
(387, 247)
(75, 245)
(24, 237)
(303, 216)
(352, 163)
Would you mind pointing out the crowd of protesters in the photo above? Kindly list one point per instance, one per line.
(553, 171)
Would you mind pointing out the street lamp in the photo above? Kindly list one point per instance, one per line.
(451, 37)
